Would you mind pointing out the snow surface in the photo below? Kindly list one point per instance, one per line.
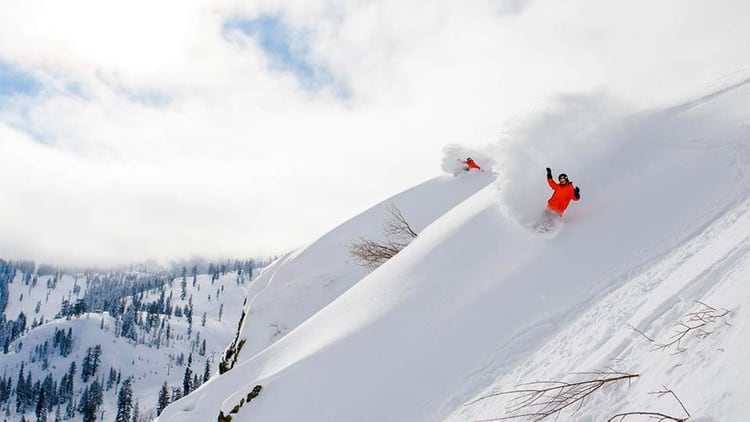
(479, 304)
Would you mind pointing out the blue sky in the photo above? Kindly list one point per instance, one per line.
(14, 81)
(288, 50)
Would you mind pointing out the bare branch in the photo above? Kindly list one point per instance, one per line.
(398, 234)
(694, 324)
(372, 254)
(552, 397)
(397, 227)
(662, 417)
(670, 392)
(641, 333)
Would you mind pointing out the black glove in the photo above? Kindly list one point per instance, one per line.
(549, 173)
(577, 192)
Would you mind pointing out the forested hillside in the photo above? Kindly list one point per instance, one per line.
(112, 345)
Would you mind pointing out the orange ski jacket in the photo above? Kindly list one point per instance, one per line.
(471, 164)
(561, 197)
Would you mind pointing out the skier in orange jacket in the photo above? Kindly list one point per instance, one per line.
(470, 164)
(564, 193)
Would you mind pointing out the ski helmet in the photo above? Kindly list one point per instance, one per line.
(468, 159)
(562, 176)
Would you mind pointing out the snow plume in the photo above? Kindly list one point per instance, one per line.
(453, 153)
(564, 137)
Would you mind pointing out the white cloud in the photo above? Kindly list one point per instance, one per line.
(181, 141)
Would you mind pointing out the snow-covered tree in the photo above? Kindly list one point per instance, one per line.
(206, 371)
(125, 401)
(41, 407)
(163, 400)
(188, 378)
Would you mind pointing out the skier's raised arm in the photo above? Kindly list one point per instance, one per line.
(550, 180)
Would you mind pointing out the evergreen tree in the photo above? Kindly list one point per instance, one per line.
(91, 399)
(65, 392)
(6, 385)
(21, 323)
(125, 401)
(189, 310)
(21, 391)
(96, 358)
(70, 408)
(176, 393)
(63, 341)
(97, 392)
(87, 407)
(80, 307)
(41, 407)
(183, 284)
(207, 371)
(187, 380)
(189, 315)
(31, 391)
(111, 378)
(163, 398)
(65, 309)
(86, 366)
(136, 412)
(128, 324)
(49, 387)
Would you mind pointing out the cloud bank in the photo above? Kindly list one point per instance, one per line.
(166, 130)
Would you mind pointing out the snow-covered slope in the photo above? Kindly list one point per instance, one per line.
(478, 303)
(304, 281)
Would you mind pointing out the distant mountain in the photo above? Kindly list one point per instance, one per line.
(640, 293)
(106, 328)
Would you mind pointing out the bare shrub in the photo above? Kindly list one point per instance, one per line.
(543, 399)
(398, 234)
(657, 415)
(695, 324)
(550, 398)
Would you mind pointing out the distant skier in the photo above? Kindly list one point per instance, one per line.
(564, 193)
(470, 164)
